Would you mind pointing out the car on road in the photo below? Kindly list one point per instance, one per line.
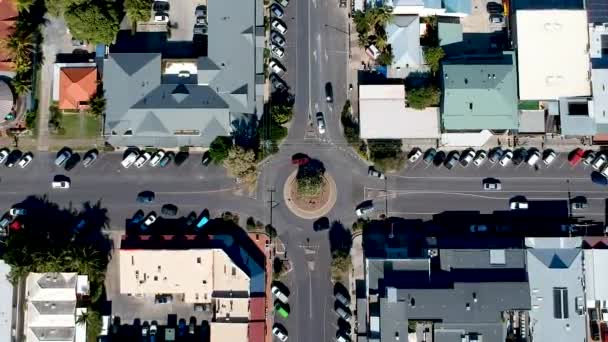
(169, 210)
(279, 294)
(575, 156)
(143, 159)
(206, 158)
(414, 155)
(277, 39)
(279, 333)
(150, 219)
(329, 92)
(145, 197)
(277, 11)
(277, 51)
(64, 184)
(321, 123)
(491, 184)
(372, 172)
(63, 157)
(533, 158)
(480, 158)
(549, 157)
(506, 158)
(518, 203)
(26, 160)
(342, 299)
(452, 160)
(589, 158)
(579, 202)
(15, 211)
(300, 159)
(277, 82)
(278, 26)
(129, 159)
(276, 67)
(90, 158)
(495, 155)
(156, 158)
(429, 155)
(365, 209)
(467, 158)
(599, 162)
(281, 309)
(3, 155)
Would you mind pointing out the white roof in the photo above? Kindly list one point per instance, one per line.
(383, 115)
(221, 332)
(553, 58)
(596, 275)
(6, 308)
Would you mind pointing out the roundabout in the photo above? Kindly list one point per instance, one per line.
(310, 207)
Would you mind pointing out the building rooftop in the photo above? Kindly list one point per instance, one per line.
(597, 11)
(542, 75)
(161, 271)
(6, 305)
(403, 34)
(76, 86)
(8, 15)
(222, 332)
(480, 93)
(382, 104)
(596, 276)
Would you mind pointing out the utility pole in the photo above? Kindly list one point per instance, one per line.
(271, 202)
(385, 197)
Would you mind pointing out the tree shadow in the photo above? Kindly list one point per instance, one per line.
(313, 167)
(340, 238)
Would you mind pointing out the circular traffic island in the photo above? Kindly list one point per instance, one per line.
(309, 193)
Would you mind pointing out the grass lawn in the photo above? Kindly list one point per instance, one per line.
(72, 127)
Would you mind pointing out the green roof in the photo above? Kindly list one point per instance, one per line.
(480, 93)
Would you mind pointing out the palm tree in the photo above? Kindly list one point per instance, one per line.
(380, 42)
(362, 23)
(24, 5)
(382, 15)
(21, 84)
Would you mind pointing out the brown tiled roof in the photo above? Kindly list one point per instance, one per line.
(257, 308)
(76, 85)
(257, 331)
(8, 10)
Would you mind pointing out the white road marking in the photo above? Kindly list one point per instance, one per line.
(527, 178)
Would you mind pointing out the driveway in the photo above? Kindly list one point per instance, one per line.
(182, 20)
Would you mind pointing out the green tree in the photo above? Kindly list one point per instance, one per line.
(433, 56)
(21, 83)
(362, 23)
(420, 98)
(138, 10)
(341, 264)
(241, 164)
(30, 119)
(309, 180)
(386, 57)
(219, 148)
(281, 114)
(97, 105)
(24, 5)
(94, 22)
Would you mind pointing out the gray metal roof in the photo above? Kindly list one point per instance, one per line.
(395, 328)
(403, 34)
(574, 124)
(479, 259)
(597, 11)
(53, 333)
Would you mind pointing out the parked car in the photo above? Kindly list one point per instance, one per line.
(277, 82)
(276, 67)
(452, 160)
(278, 25)
(480, 158)
(26, 160)
(506, 158)
(549, 157)
(375, 173)
(279, 333)
(156, 158)
(277, 39)
(71, 163)
(90, 159)
(414, 155)
(429, 155)
(342, 299)
(129, 159)
(3, 155)
(518, 203)
(206, 158)
(321, 123)
(491, 184)
(65, 184)
(280, 309)
(279, 294)
(579, 202)
(13, 158)
(166, 160)
(150, 219)
(62, 157)
(589, 158)
(276, 10)
(277, 51)
(365, 210)
(599, 162)
(169, 210)
(201, 13)
(519, 156)
(604, 171)
(495, 155)
(343, 313)
(14, 211)
(467, 158)
(575, 156)
(180, 158)
(533, 158)
(142, 160)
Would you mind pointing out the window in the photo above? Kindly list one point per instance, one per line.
(187, 132)
(560, 303)
(204, 282)
(198, 260)
(233, 271)
(128, 132)
(155, 278)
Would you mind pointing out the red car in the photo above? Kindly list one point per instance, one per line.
(576, 156)
(300, 159)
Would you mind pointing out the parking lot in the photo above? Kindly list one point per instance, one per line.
(181, 19)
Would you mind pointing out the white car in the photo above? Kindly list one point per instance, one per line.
(276, 10)
(599, 162)
(279, 294)
(25, 160)
(588, 160)
(549, 158)
(157, 157)
(3, 156)
(161, 18)
(533, 158)
(142, 160)
(129, 160)
(506, 159)
(279, 333)
(277, 50)
(278, 26)
(61, 185)
(276, 68)
(321, 123)
(480, 159)
(415, 155)
(150, 220)
(605, 171)
(515, 205)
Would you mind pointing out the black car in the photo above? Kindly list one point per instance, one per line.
(494, 8)
(206, 158)
(13, 158)
(180, 158)
(329, 92)
(429, 155)
(72, 162)
(191, 218)
(145, 197)
(519, 156)
(452, 160)
(598, 178)
(169, 210)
